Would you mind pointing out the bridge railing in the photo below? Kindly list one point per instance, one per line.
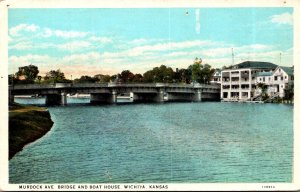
(103, 85)
(33, 86)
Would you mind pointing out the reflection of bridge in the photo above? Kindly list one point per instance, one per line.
(56, 94)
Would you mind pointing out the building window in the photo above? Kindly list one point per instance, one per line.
(275, 78)
(279, 70)
(263, 79)
(281, 78)
(292, 77)
(269, 78)
(281, 86)
(259, 79)
(285, 77)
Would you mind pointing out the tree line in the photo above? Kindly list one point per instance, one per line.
(196, 72)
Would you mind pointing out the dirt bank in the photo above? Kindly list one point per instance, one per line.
(26, 124)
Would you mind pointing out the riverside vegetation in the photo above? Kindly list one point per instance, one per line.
(26, 124)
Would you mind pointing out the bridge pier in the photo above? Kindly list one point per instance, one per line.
(198, 95)
(159, 96)
(56, 99)
(104, 98)
(63, 99)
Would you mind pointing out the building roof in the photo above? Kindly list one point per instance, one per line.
(288, 70)
(217, 72)
(260, 74)
(255, 64)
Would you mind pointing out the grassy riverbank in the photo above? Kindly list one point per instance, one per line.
(26, 124)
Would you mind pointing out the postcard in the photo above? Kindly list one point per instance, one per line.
(149, 95)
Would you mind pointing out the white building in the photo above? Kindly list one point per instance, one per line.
(240, 82)
(216, 78)
(277, 81)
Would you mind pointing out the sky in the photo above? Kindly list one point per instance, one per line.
(110, 40)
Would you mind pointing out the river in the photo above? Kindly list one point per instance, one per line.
(152, 143)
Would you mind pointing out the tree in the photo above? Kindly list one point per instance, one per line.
(185, 75)
(126, 76)
(289, 92)
(200, 73)
(206, 73)
(27, 74)
(226, 67)
(161, 74)
(85, 79)
(102, 78)
(12, 80)
(55, 77)
(138, 78)
(114, 78)
(264, 89)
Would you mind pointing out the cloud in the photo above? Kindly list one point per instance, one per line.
(22, 29)
(78, 52)
(75, 46)
(91, 63)
(43, 62)
(102, 40)
(69, 46)
(84, 59)
(17, 30)
(284, 18)
(169, 46)
(22, 46)
(46, 32)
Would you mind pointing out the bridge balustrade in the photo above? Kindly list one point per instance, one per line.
(108, 92)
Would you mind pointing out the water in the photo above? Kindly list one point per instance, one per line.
(170, 143)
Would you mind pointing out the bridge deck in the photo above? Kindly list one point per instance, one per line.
(110, 85)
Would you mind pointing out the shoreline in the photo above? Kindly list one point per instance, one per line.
(26, 125)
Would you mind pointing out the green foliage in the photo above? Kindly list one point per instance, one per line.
(197, 72)
(85, 79)
(12, 80)
(160, 74)
(102, 78)
(263, 87)
(277, 100)
(27, 74)
(138, 78)
(201, 73)
(226, 67)
(289, 92)
(183, 76)
(126, 76)
(265, 96)
(55, 77)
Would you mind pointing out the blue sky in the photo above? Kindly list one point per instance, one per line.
(107, 41)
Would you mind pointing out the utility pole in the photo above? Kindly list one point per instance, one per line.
(280, 58)
(232, 54)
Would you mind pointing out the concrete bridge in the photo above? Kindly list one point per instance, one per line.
(56, 94)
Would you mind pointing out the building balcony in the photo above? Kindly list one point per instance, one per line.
(245, 82)
(226, 83)
(245, 89)
(235, 82)
(235, 75)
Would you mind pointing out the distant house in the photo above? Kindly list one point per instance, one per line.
(216, 78)
(277, 81)
(240, 82)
